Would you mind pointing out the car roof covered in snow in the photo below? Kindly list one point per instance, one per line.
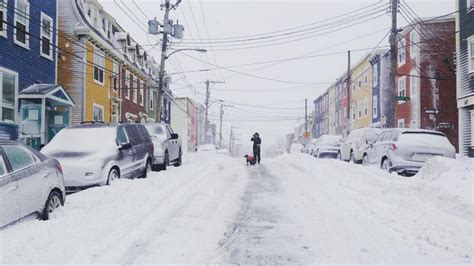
(402, 130)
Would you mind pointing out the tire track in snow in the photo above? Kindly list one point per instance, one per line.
(259, 233)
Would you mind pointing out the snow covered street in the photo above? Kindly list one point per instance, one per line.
(293, 209)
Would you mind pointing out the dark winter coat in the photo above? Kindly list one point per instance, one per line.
(256, 142)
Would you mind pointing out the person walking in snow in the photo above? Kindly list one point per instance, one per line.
(256, 146)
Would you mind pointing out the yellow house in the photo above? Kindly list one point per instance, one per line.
(361, 94)
(99, 82)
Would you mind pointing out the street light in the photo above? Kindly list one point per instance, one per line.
(161, 74)
(187, 49)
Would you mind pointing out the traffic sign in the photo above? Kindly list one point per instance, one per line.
(432, 111)
(402, 98)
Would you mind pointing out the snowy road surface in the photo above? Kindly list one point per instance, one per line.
(293, 209)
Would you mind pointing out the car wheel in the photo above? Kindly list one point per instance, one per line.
(162, 167)
(113, 175)
(147, 169)
(386, 165)
(180, 159)
(53, 202)
(352, 158)
(365, 160)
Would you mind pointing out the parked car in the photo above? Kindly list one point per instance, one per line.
(327, 146)
(296, 148)
(167, 146)
(405, 150)
(311, 146)
(97, 154)
(353, 147)
(29, 183)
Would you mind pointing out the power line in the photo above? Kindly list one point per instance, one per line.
(297, 27)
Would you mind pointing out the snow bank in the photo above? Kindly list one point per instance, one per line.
(363, 215)
(455, 177)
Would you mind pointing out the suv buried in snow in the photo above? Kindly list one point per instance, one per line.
(167, 146)
(353, 147)
(97, 154)
(405, 150)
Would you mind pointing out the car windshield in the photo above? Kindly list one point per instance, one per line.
(81, 141)
(331, 140)
(423, 138)
(155, 130)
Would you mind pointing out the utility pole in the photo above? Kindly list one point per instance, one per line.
(394, 58)
(230, 140)
(349, 92)
(305, 115)
(161, 75)
(220, 126)
(208, 96)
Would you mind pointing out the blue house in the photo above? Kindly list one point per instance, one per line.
(381, 93)
(27, 56)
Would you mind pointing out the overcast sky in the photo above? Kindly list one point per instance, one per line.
(278, 90)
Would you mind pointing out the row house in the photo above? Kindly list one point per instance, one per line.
(32, 107)
(321, 110)
(331, 110)
(426, 77)
(361, 94)
(465, 75)
(382, 96)
(342, 106)
(109, 76)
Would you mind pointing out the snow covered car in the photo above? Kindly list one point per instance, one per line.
(296, 148)
(96, 153)
(327, 146)
(167, 146)
(353, 147)
(405, 150)
(29, 183)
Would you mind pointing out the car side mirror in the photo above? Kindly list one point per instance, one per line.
(125, 146)
(174, 136)
(370, 142)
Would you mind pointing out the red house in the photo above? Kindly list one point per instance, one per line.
(426, 77)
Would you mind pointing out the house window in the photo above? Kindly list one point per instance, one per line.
(150, 98)
(470, 4)
(354, 111)
(3, 17)
(366, 107)
(142, 94)
(401, 52)
(115, 70)
(46, 36)
(402, 87)
(22, 17)
(99, 64)
(401, 123)
(366, 77)
(375, 103)
(470, 44)
(132, 88)
(98, 113)
(360, 110)
(375, 75)
(135, 88)
(8, 89)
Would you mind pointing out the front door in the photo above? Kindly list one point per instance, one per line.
(56, 121)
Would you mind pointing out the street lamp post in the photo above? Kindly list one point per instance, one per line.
(161, 74)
